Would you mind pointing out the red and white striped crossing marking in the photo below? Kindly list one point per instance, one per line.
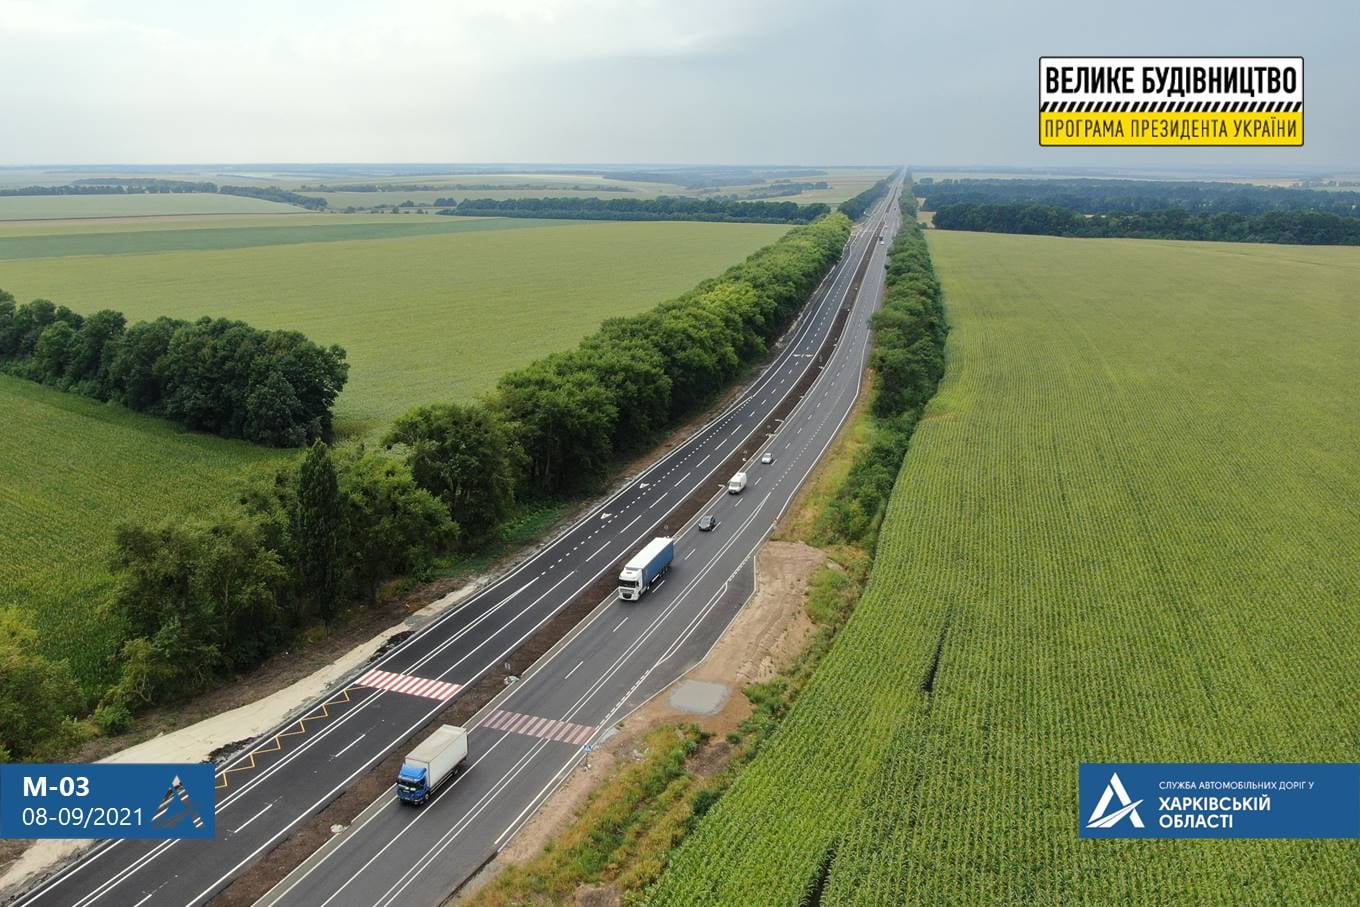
(533, 726)
(409, 684)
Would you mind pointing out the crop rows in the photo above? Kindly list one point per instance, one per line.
(1127, 524)
(71, 469)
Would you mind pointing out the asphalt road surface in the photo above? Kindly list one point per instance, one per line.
(524, 742)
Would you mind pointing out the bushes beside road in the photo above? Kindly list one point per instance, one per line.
(213, 375)
(555, 427)
(855, 207)
(908, 362)
(197, 600)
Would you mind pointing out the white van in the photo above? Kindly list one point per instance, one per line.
(736, 483)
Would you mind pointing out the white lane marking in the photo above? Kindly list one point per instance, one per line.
(687, 554)
(681, 480)
(237, 830)
(573, 670)
(621, 623)
(626, 528)
(432, 654)
(657, 501)
(702, 462)
(447, 839)
(601, 548)
(348, 745)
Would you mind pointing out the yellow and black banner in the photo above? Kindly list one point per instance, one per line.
(1167, 101)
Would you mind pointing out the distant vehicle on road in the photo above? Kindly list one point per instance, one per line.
(767, 458)
(646, 567)
(438, 758)
(737, 483)
(708, 523)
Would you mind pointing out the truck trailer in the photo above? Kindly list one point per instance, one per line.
(646, 568)
(438, 758)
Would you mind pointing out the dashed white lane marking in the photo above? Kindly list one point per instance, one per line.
(532, 726)
(409, 684)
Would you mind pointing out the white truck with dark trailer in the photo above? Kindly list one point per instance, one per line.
(645, 568)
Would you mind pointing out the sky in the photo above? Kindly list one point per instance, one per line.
(620, 81)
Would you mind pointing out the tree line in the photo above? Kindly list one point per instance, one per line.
(275, 194)
(1278, 226)
(130, 186)
(308, 538)
(198, 599)
(855, 207)
(213, 374)
(1106, 196)
(660, 208)
(144, 186)
(908, 363)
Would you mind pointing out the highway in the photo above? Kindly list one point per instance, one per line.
(526, 740)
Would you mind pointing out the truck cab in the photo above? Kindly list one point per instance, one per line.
(413, 783)
(737, 483)
(437, 759)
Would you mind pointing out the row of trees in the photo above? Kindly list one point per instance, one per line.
(855, 207)
(143, 186)
(275, 194)
(213, 375)
(1106, 196)
(908, 362)
(661, 208)
(1282, 226)
(201, 599)
(130, 186)
(555, 426)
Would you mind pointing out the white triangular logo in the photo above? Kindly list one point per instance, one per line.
(1128, 807)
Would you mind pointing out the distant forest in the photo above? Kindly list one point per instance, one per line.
(661, 208)
(1281, 226)
(1105, 196)
(149, 186)
(1144, 209)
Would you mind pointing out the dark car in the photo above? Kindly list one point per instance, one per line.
(707, 523)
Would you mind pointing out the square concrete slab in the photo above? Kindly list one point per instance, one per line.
(699, 697)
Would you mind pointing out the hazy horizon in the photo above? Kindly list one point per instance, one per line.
(801, 82)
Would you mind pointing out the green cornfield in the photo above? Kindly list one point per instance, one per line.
(1126, 530)
(71, 469)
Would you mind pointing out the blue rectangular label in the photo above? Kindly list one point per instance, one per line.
(1219, 800)
(107, 800)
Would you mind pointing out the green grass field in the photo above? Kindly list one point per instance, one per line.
(200, 236)
(55, 207)
(423, 318)
(1127, 529)
(429, 309)
(71, 469)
